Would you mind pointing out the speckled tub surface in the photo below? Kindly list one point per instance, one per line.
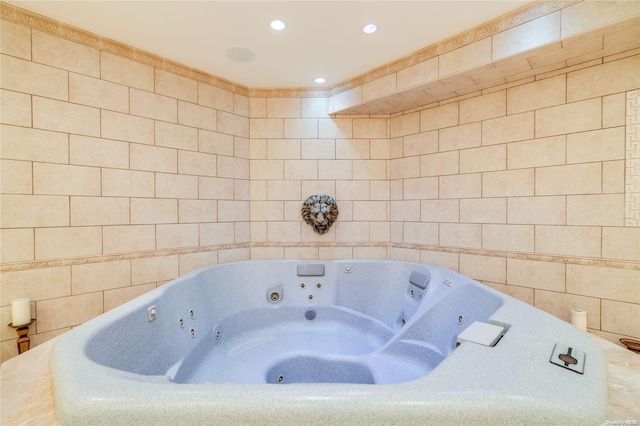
(325, 342)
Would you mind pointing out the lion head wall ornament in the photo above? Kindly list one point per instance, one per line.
(320, 211)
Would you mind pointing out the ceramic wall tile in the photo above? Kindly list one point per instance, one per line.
(90, 151)
(21, 143)
(16, 245)
(444, 163)
(484, 159)
(300, 128)
(483, 210)
(232, 124)
(420, 143)
(16, 40)
(16, 108)
(49, 114)
(153, 269)
(536, 274)
(483, 107)
(352, 149)
(215, 142)
(596, 210)
(511, 128)
(460, 186)
(464, 58)
(151, 105)
(530, 35)
(232, 167)
(126, 127)
(176, 235)
(538, 152)
(115, 274)
(36, 284)
(60, 179)
(468, 235)
(175, 86)
(569, 118)
(29, 77)
(127, 183)
(596, 145)
(512, 238)
(536, 95)
(127, 72)
(98, 93)
(419, 74)
(215, 97)
(170, 185)
(153, 211)
(439, 117)
(568, 240)
(588, 281)
(53, 243)
(116, 297)
(128, 238)
(617, 317)
(572, 179)
(28, 211)
(216, 233)
(16, 177)
(379, 88)
(621, 243)
(484, 268)
(190, 114)
(197, 163)
(196, 211)
(421, 233)
(560, 305)
(68, 311)
(550, 210)
(460, 137)
(88, 211)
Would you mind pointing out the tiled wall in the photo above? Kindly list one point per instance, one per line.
(118, 176)
(298, 151)
(523, 187)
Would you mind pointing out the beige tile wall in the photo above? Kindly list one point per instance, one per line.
(115, 169)
(297, 150)
(116, 177)
(528, 191)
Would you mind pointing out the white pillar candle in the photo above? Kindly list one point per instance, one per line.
(21, 312)
(579, 319)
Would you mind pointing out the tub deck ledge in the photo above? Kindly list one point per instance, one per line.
(27, 396)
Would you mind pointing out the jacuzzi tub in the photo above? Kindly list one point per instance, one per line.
(326, 342)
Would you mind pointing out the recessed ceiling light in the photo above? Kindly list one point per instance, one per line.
(278, 24)
(370, 28)
(319, 80)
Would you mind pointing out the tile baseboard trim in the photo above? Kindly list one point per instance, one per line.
(540, 257)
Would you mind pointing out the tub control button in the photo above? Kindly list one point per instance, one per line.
(568, 357)
(152, 313)
(449, 281)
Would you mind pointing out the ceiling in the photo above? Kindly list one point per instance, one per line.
(323, 38)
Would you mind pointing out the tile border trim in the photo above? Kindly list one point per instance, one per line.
(569, 260)
(632, 160)
(40, 264)
(512, 19)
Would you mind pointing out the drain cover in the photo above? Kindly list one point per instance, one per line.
(568, 357)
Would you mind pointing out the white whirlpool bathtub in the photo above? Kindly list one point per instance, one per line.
(327, 342)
